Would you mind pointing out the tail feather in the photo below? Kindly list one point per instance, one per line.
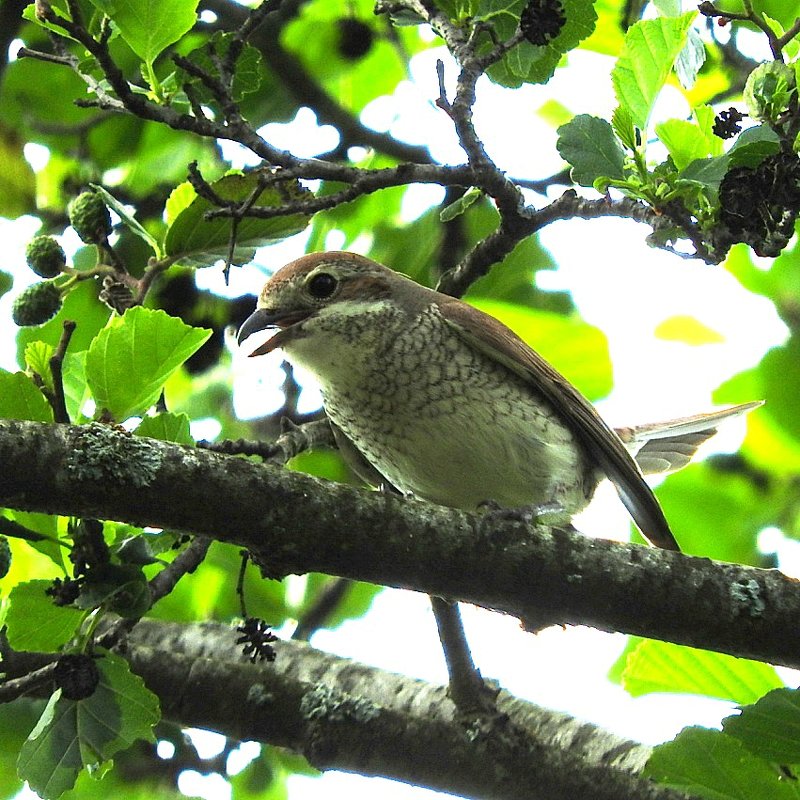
(668, 446)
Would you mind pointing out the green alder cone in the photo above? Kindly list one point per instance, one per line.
(90, 218)
(37, 304)
(45, 256)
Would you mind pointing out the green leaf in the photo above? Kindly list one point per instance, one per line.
(128, 219)
(589, 145)
(76, 390)
(121, 588)
(783, 11)
(150, 27)
(769, 90)
(707, 171)
(779, 370)
(47, 526)
(16, 719)
(263, 778)
(196, 241)
(684, 140)
(71, 735)
(668, 8)
(651, 47)
(167, 427)
(247, 74)
(710, 764)
(34, 622)
(29, 13)
(700, 499)
(458, 207)
(20, 398)
(50, 759)
(354, 602)
(326, 464)
(180, 198)
(770, 728)
(706, 117)
(654, 666)
(575, 348)
(753, 145)
(17, 180)
(622, 124)
(161, 157)
(131, 358)
(37, 359)
(690, 59)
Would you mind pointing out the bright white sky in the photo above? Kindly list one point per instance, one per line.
(619, 284)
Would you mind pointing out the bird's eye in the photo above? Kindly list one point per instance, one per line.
(322, 285)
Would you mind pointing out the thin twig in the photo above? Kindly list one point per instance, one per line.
(184, 563)
(467, 689)
(240, 582)
(64, 61)
(442, 101)
(12, 528)
(160, 586)
(60, 413)
(326, 602)
(15, 688)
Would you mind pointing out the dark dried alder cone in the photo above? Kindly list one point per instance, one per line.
(355, 38)
(76, 675)
(726, 123)
(542, 20)
(116, 295)
(759, 205)
(64, 592)
(257, 638)
(89, 550)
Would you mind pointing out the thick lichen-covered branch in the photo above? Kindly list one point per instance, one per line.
(345, 715)
(292, 523)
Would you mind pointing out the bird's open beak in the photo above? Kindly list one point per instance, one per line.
(263, 319)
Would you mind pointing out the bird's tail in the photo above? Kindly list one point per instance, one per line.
(661, 447)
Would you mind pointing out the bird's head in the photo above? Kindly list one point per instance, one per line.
(322, 291)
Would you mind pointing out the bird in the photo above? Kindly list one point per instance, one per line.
(441, 401)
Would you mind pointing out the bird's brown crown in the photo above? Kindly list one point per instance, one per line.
(343, 266)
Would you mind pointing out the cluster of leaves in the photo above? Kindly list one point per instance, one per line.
(754, 755)
(714, 198)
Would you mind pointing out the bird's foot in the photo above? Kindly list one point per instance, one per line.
(552, 513)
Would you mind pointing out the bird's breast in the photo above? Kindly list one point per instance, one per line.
(449, 424)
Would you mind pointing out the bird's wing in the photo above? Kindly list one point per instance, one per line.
(603, 446)
(356, 460)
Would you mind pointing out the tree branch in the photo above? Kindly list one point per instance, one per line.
(293, 76)
(344, 715)
(292, 523)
